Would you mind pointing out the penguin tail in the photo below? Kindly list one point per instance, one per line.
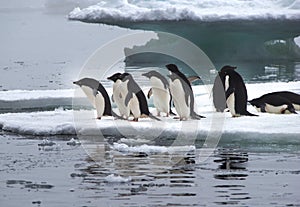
(196, 116)
(247, 113)
(117, 116)
(172, 113)
(153, 117)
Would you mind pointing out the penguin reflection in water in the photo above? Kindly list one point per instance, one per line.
(135, 98)
(182, 93)
(97, 95)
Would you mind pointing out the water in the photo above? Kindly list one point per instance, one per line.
(64, 175)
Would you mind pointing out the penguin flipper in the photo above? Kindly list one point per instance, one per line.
(95, 92)
(128, 98)
(229, 92)
(263, 108)
(149, 93)
(112, 98)
(193, 78)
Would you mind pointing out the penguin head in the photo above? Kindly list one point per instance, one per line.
(253, 102)
(227, 68)
(81, 82)
(115, 77)
(125, 76)
(172, 68)
(90, 82)
(150, 74)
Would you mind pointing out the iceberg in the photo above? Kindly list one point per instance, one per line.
(224, 30)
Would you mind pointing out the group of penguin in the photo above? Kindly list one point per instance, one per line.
(229, 91)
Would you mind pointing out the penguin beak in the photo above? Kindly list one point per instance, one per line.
(75, 82)
(146, 75)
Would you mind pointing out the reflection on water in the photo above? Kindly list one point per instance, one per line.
(164, 179)
(232, 176)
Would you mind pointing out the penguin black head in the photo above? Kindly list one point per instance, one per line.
(172, 68)
(254, 102)
(125, 76)
(115, 77)
(90, 82)
(227, 68)
(151, 74)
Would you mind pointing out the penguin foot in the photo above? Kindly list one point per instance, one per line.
(135, 119)
(99, 118)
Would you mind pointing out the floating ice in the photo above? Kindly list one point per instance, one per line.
(117, 179)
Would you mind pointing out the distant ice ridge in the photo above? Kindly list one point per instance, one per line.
(199, 10)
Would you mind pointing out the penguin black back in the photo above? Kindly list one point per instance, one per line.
(97, 87)
(134, 88)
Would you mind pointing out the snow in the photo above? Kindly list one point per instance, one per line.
(83, 122)
(175, 10)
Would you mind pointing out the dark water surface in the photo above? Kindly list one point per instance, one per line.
(54, 173)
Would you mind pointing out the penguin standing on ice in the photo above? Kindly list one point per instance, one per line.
(274, 103)
(161, 92)
(119, 93)
(182, 94)
(97, 95)
(218, 89)
(135, 98)
(235, 92)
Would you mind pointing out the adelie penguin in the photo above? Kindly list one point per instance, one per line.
(161, 92)
(97, 95)
(182, 93)
(119, 93)
(235, 92)
(135, 98)
(218, 89)
(276, 102)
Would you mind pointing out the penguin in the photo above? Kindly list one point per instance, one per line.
(273, 103)
(235, 93)
(218, 90)
(119, 93)
(294, 98)
(182, 93)
(97, 95)
(161, 92)
(135, 98)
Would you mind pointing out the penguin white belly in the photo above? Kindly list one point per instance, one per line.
(178, 94)
(231, 99)
(276, 109)
(297, 107)
(89, 93)
(119, 98)
(100, 105)
(134, 106)
(161, 95)
(231, 104)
